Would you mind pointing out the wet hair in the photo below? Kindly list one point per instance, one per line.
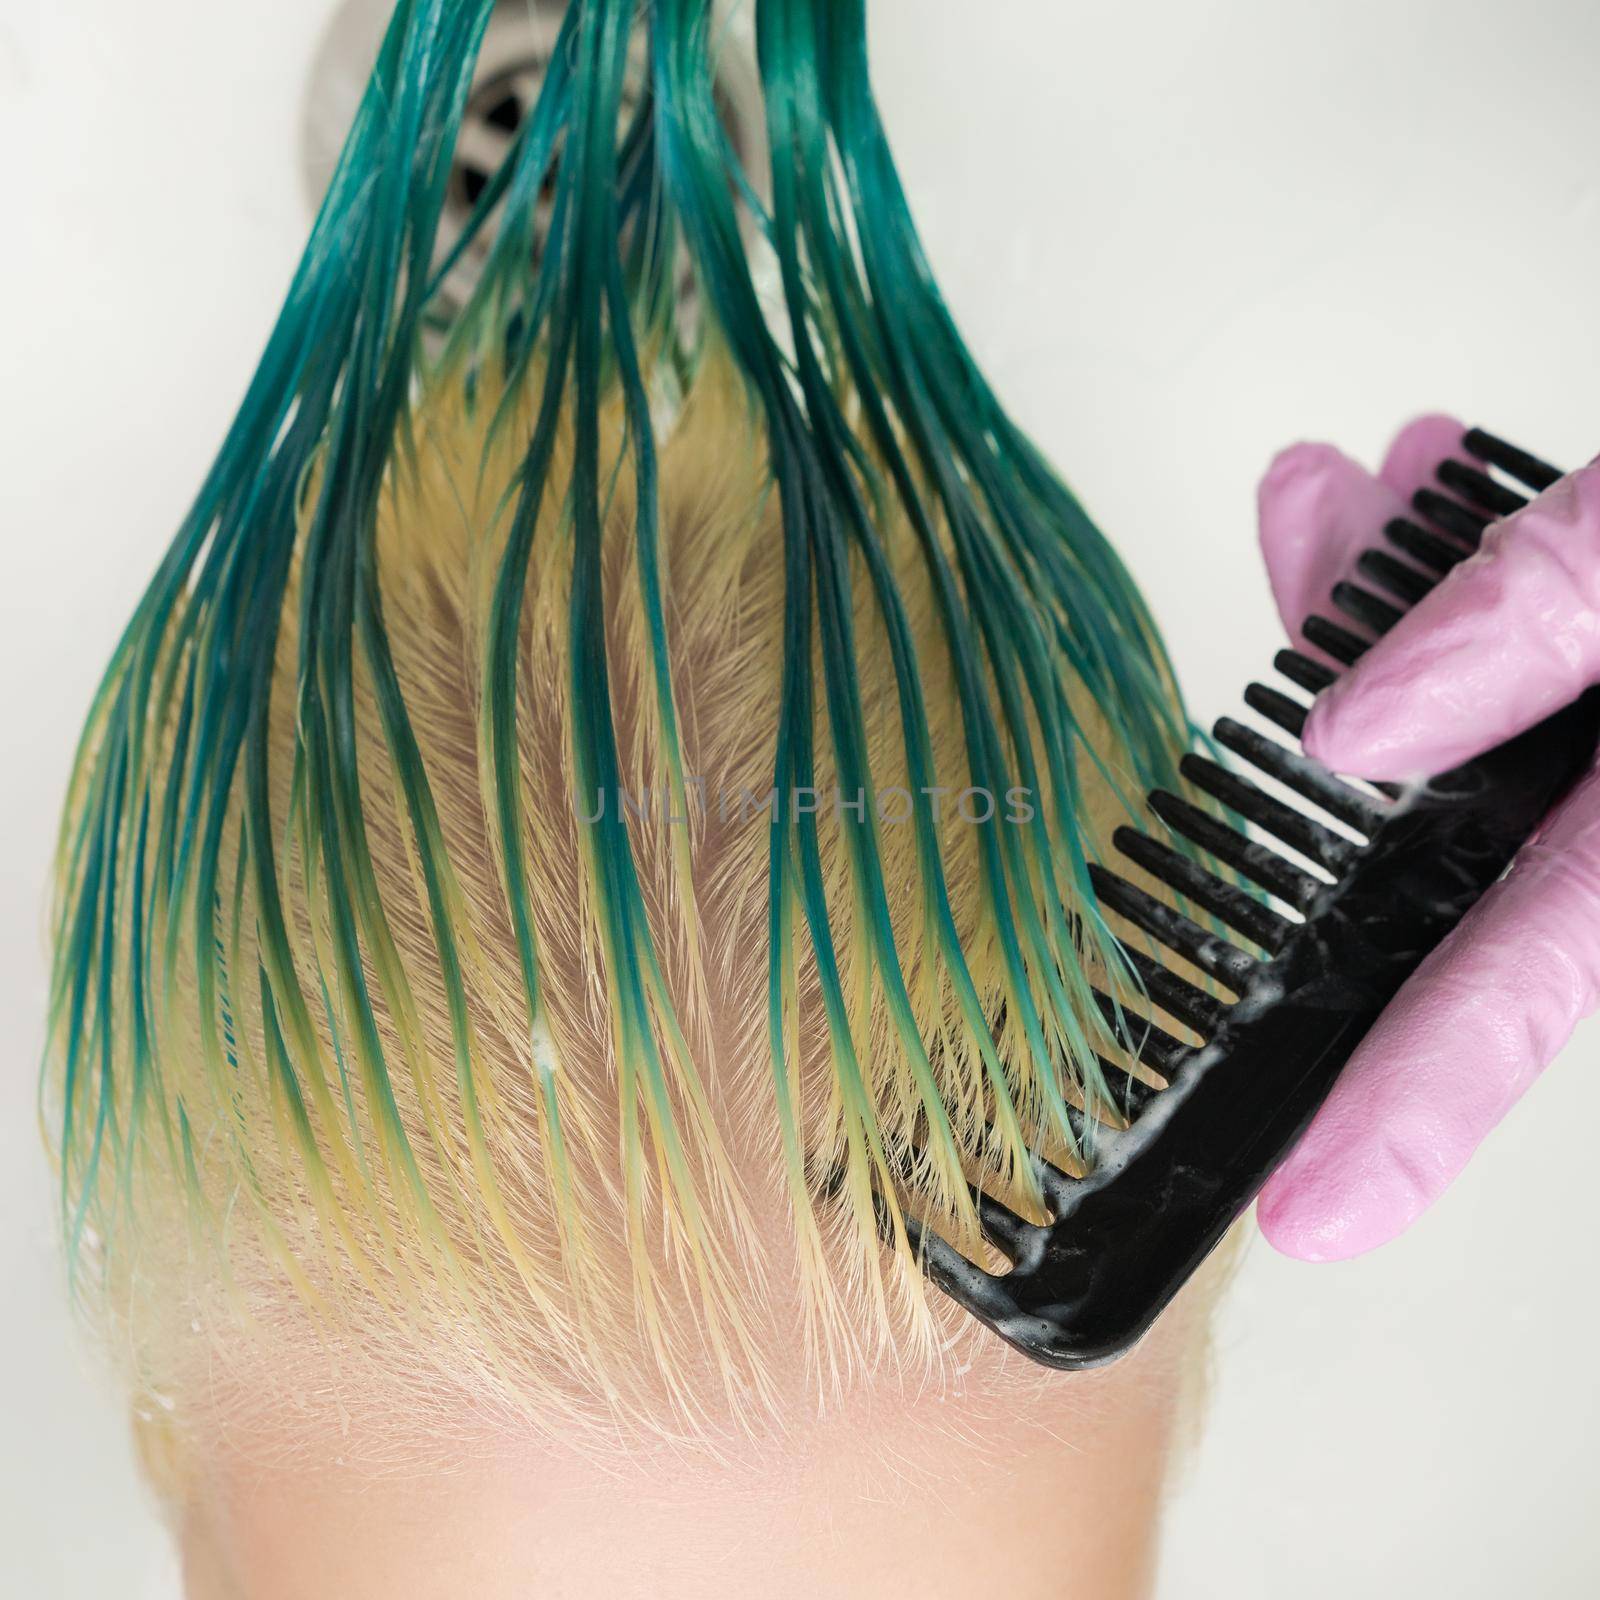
(601, 765)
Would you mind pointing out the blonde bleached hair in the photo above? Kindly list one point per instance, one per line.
(587, 833)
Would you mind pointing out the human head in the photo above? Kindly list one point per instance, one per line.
(432, 1007)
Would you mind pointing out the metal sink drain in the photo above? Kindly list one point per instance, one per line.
(511, 69)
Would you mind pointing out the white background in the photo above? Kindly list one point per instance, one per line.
(1180, 233)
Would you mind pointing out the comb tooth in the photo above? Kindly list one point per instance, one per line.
(1300, 832)
(940, 1259)
(1257, 922)
(1256, 861)
(1210, 952)
(1515, 463)
(1425, 548)
(1451, 515)
(1403, 582)
(1480, 489)
(1335, 641)
(1298, 772)
(1141, 1038)
(922, 1240)
(1130, 1095)
(1002, 1227)
(1291, 717)
(1232, 848)
(1176, 996)
(1363, 606)
(1303, 672)
(1277, 708)
(1055, 1185)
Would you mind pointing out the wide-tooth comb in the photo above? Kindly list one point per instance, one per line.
(1328, 957)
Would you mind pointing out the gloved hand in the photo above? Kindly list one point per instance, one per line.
(1509, 636)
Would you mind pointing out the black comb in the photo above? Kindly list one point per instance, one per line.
(1121, 1241)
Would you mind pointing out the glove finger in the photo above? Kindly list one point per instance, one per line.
(1461, 1042)
(1318, 510)
(1508, 637)
(1413, 459)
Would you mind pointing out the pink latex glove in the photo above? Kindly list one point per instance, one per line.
(1509, 636)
